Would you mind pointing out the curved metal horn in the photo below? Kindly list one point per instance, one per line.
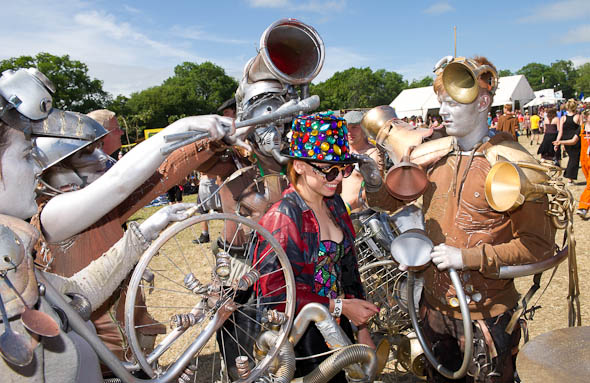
(463, 77)
(290, 51)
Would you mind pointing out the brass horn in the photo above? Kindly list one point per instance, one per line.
(507, 187)
(463, 77)
(405, 181)
(290, 51)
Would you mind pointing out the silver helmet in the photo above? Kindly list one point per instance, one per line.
(25, 98)
(58, 144)
(65, 133)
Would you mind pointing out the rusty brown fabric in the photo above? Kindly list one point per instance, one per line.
(457, 213)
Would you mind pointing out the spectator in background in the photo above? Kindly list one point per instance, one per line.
(108, 119)
(569, 125)
(508, 122)
(546, 150)
(490, 120)
(495, 121)
(585, 163)
(527, 124)
(351, 186)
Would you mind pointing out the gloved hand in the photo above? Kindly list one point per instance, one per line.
(216, 126)
(151, 227)
(370, 172)
(237, 137)
(445, 256)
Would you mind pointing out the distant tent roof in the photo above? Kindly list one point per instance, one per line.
(513, 88)
(417, 101)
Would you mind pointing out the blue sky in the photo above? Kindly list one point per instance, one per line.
(132, 45)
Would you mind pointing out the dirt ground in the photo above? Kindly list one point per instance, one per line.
(553, 304)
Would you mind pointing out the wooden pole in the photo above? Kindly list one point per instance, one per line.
(455, 30)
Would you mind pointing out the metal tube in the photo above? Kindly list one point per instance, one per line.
(467, 328)
(510, 272)
(79, 326)
(286, 356)
(304, 105)
(356, 353)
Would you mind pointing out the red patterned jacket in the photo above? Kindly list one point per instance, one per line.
(296, 228)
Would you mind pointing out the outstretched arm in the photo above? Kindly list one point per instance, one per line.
(99, 279)
(70, 213)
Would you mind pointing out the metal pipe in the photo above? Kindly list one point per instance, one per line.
(285, 357)
(305, 105)
(332, 333)
(79, 326)
(510, 272)
(467, 328)
(340, 360)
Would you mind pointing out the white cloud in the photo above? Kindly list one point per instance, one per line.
(195, 33)
(439, 8)
(269, 3)
(317, 6)
(558, 11)
(579, 60)
(580, 34)
(116, 51)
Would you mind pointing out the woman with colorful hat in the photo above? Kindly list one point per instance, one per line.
(312, 225)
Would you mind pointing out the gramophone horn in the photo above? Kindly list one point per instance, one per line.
(290, 51)
(412, 247)
(463, 77)
(507, 187)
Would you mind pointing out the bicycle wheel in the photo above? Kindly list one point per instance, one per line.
(198, 290)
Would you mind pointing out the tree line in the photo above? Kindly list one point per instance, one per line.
(200, 88)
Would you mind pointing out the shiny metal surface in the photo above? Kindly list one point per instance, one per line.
(35, 321)
(62, 134)
(14, 347)
(506, 187)
(28, 91)
(376, 119)
(463, 77)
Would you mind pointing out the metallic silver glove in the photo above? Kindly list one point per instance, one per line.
(370, 172)
(152, 226)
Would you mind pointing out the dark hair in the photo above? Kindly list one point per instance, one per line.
(551, 113)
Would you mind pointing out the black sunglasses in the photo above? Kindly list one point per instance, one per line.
(331, 173)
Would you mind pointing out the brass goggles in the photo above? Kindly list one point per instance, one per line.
(331, 173)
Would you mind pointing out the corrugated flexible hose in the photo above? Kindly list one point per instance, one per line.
(356, 353)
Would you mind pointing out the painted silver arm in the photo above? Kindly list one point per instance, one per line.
(70, 213)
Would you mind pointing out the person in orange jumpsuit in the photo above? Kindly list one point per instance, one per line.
(585, 164)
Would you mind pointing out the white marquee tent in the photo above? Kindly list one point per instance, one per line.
(418, 101)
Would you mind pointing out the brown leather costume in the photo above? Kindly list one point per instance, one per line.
(508, 123)
(457, 213)
(73, 254)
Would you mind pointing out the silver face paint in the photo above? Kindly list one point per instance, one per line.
(19, 177)
(89, 166)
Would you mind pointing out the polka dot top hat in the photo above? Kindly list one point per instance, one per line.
(320, 137)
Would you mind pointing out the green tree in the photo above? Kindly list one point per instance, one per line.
(194, 89)
(504, 73)
(539, 76)
(425, 81)
(358, 88)
(75, 90)
(566, 75)
(583, 81)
